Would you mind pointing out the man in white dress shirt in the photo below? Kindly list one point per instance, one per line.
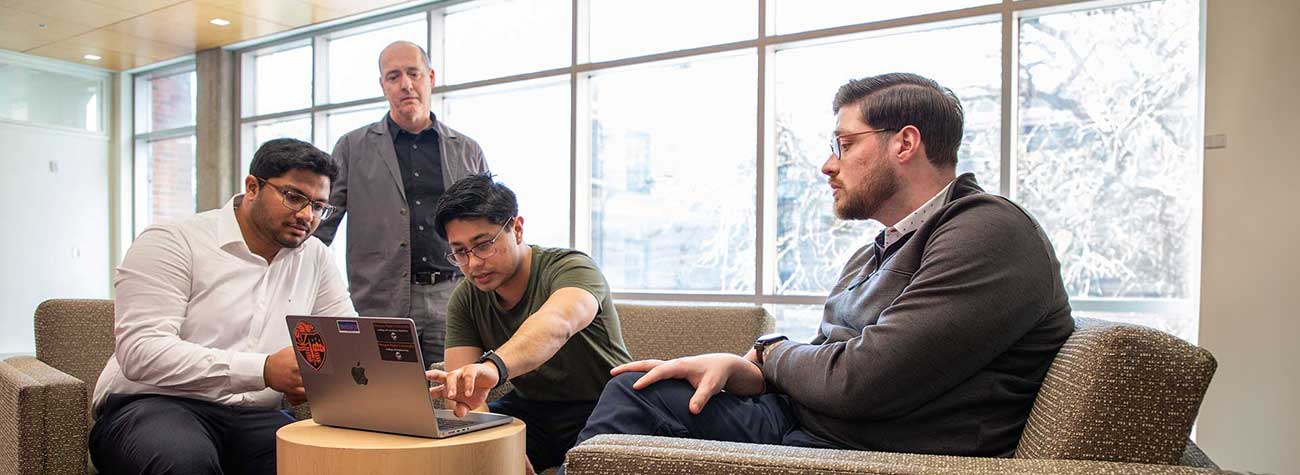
(203, 356)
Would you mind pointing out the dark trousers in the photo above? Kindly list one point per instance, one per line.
(661, 409)
(151, 434)
(552, 427)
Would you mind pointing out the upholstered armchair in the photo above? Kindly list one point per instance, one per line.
(1118, 399)
(45, 400)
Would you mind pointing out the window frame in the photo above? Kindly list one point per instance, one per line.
(139, 141)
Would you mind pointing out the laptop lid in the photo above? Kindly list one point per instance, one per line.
(364, 373)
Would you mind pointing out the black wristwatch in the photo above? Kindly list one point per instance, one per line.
(492, 356)
(761, 344)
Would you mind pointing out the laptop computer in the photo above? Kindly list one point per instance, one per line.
(367, 373)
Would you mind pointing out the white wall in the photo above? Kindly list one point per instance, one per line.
(1250, 285)
(54, 234)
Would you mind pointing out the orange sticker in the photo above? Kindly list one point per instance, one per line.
(308, 343)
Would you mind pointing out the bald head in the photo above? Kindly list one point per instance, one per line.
(404, 46)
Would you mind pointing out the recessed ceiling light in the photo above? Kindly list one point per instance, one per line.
(42, 26)
(92, 57)
(219, 21)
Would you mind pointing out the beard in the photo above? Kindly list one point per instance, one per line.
(878, 185)
(274, 228)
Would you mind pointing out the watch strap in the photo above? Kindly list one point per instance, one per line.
(502, 374)
(761, 344)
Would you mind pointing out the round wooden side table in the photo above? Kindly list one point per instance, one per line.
(308, 448)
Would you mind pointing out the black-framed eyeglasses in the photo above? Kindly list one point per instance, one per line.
(835, 141)
(296, 201)
(482, 250)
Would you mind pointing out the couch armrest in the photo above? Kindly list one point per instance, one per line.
(493, 395)
(20, 419)
(620, 454)
(56, 413)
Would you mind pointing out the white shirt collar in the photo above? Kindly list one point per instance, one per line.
(917, 218)
(228, 231)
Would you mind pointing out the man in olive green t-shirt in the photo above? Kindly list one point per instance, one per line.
(544, 315)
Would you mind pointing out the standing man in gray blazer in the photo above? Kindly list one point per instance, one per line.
(391, 174)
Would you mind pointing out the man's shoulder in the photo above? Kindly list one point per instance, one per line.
(989, 226)
(198, 224)
(988, 208)
(457, 140)
(562, 257)
(451, 133)
(357, 134)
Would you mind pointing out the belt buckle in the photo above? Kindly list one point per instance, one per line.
(431, 278)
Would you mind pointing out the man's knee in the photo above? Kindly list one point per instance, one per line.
(667, 390)
(622, 383)
(156, 454)
(153, 435)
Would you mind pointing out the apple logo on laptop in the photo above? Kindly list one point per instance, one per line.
(359, 374)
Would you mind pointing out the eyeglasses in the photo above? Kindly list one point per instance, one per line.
(297, 201)
(482, 250)
(835, 141)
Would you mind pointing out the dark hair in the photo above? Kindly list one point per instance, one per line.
(892, 101)
(276, 157)
(475, 196)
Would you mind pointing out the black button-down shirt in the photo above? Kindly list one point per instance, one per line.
(420, 159)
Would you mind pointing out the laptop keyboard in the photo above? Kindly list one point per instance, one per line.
(452, 424)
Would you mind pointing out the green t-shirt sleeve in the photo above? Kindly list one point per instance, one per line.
(579, 271)
(461, 330)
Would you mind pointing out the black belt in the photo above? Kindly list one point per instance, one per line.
(431, 278)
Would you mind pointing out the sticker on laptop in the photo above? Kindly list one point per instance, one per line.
(308, 343)
(349, 326)
(396, 343)
(393, 333)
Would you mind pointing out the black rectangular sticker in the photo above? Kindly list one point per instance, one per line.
(404, 352)
(396, 343)
(393, 333)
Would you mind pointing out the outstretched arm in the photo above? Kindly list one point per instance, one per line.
(565, 313)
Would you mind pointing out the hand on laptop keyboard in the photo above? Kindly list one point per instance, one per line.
(467, 386)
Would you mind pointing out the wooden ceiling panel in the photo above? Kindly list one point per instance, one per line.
(138, 7)
(110, 59)
(353, 7)
(187, 24)
(133, 33)
(124, 43)
(21, 31)
(292, 13)
(79, 12)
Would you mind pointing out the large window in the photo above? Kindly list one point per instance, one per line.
(672, 194)
(1107, 155)
(687, 161)
(165, 178)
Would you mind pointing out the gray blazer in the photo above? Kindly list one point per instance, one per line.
(369, 189)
